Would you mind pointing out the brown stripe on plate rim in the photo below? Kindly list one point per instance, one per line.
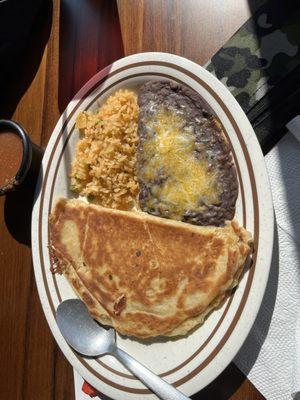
(244, 218)
(252, 179)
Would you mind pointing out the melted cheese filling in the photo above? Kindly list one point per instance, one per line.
(170, 154)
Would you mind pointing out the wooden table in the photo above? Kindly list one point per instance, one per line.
(68, 45)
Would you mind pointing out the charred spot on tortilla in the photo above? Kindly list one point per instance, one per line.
(184, 163)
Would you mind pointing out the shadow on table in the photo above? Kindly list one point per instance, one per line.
(90, 39)
(224, 386)
(21, 48)
(19, 204)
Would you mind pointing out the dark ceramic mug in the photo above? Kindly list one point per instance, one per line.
(30, 160)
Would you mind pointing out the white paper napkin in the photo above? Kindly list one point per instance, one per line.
(270, 356)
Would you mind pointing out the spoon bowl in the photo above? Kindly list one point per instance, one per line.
(90, 339)
(81, 332)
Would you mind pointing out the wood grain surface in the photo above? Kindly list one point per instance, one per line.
(69, 42)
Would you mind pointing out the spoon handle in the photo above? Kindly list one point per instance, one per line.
(161, 388)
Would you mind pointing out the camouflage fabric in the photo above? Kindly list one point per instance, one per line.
(260, 57)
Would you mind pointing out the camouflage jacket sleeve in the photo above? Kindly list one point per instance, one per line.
(260, 65)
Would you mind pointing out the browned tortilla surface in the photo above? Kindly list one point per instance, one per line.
(145, 276)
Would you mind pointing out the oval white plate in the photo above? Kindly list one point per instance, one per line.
(192, 362)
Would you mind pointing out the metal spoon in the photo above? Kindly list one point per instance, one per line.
(90, 339)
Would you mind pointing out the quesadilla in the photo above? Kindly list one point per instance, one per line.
(146, 276)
